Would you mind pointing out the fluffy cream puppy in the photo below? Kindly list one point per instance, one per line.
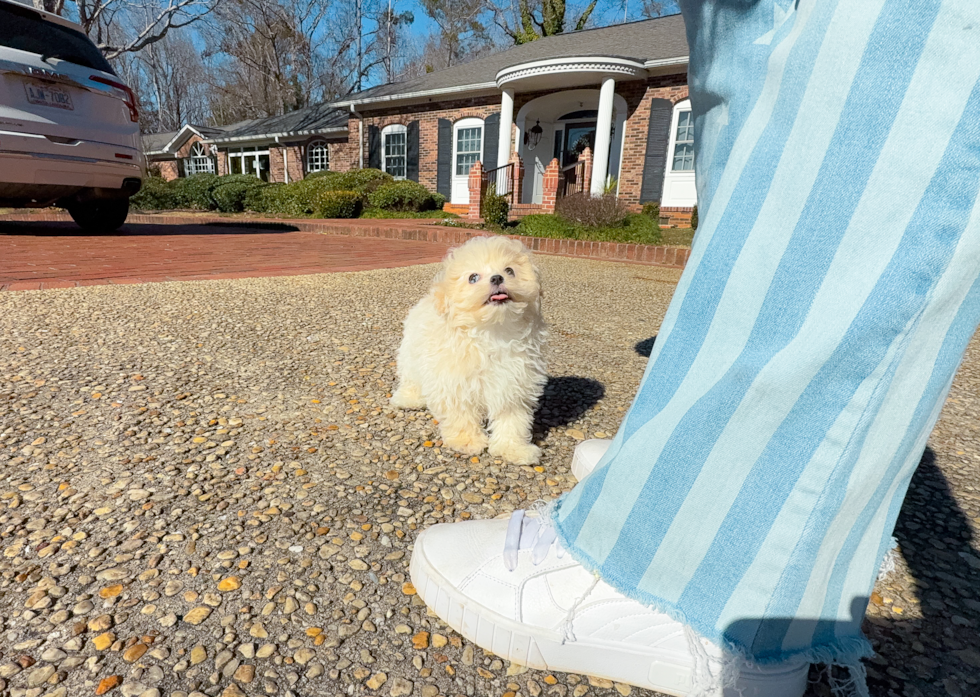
(472, 350)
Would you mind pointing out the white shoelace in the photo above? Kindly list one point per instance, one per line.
(534, 533)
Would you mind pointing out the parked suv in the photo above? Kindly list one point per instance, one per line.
(69, 131)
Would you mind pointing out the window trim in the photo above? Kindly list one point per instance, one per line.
(393, 129)
(683, 106)
(242, 152)
(198, 161)
(468, 122)
(311, 148)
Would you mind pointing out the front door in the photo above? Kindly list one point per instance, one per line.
(467, 151)
(578, 137)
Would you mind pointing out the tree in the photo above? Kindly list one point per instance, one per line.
(523, 21)
(460, 28)
(128, 26)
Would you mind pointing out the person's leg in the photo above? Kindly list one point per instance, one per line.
(754, 484)
(752, 488)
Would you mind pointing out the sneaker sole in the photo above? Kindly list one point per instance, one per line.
(544, 650)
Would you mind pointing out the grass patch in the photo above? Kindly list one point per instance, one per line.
(677, 237)
(380, 213)
(637, 229)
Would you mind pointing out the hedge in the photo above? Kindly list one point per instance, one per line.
(403, 195)
(156, 194)
(231, 192)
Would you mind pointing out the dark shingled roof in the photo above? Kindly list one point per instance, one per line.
(651, 39)
(156, 141)
(312, 118)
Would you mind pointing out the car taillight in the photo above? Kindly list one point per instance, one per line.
(123, 92)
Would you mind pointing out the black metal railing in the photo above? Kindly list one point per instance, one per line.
(571, 180)
(500, 181)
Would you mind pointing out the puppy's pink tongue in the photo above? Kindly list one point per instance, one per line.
(499, 296)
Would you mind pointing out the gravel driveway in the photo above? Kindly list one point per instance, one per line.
(204, 490)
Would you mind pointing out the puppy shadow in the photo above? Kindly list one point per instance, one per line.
(566, 399)
(645, 347)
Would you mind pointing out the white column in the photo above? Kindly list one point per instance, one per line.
(505, 136)
(506, 127)
(603, 127)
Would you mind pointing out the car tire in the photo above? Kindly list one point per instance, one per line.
(106, 215)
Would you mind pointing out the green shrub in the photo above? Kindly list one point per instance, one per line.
(281, 200)
(338, 204)
(495, 208)
(438, 201)
(230, 192)
(652, 210)
(256, 197)
(156, 194)
(694, 218)
(195, 192)
(403, 195)
(363, 181)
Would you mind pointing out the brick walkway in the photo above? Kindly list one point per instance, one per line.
(36, 255)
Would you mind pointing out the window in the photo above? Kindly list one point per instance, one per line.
(199, 162)
(394, 140)
(27, 30)
(469, 148)
(684, 143)
(317, 156)
(249, 160)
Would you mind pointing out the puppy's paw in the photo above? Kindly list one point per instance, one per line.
(516, 452)
(406, 397)
(466, 443)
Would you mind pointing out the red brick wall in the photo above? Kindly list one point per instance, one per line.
(168, 169)
(428, 116)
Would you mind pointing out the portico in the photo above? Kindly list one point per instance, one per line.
(560, 125)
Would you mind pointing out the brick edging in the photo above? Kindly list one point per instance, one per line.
(655, 255)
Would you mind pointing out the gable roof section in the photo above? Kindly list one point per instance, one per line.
(318, 118)
(156, 142)
(653, 42)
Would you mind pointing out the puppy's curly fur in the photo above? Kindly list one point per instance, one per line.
(472, 350)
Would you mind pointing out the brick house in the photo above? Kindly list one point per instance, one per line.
(602, 108)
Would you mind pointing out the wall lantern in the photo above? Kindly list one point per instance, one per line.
(533, 136)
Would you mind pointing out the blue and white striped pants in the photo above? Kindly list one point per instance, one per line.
(752, 488)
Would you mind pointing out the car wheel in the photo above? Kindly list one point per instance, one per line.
(106, 215)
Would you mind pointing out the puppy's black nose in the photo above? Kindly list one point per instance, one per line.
(497, 279)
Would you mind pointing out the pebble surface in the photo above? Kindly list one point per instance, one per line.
(204, 491)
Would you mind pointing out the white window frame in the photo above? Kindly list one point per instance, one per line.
(241, 153)
(199, 161)
(470, 122)
(317, 156)
(393, 129)
(680, 108)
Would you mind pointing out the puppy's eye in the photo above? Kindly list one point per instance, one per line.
(509, 271)
(474, 277)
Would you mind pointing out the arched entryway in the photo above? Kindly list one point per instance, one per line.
(567, 122)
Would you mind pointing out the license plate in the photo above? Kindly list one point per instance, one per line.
(49, 95)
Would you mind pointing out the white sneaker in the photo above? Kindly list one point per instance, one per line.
(587, 456)
(509, 587)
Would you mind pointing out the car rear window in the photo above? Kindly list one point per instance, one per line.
(26, 30)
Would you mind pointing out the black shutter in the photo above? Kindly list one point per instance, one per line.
(491, 137)
(658, 138)
(374, 147)
(412, 151)
(214, 164)
(181, 172)
(444, 159)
